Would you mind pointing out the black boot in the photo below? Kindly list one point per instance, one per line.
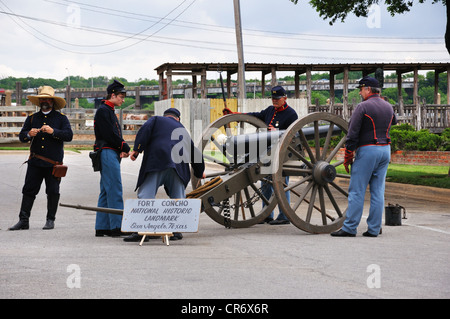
(52, 207)
(24, 215)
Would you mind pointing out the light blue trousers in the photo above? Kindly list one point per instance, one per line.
(267, 190)
(369, 168)
(111, 195)
(169, 178)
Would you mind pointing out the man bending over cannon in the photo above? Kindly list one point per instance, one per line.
(168, 150)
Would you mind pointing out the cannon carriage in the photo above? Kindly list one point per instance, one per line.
(255, 170)
(298, 164)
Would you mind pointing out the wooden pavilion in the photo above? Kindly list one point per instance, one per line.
(167, 70)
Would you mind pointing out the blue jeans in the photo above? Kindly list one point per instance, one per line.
(111, 195)
(369, 168)
(267, 190)
(173, 184)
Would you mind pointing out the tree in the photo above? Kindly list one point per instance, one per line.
(334, 10)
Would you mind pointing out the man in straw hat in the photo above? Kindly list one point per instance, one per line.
(46, 130)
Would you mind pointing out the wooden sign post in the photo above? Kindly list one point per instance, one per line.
(161, 217)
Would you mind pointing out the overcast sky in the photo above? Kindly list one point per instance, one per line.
(56, 38)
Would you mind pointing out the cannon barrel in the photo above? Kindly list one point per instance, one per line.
(250, 147)
(96, 209)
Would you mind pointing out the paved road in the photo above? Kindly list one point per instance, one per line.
(263, 261)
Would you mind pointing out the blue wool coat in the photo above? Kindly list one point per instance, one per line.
(167, 144)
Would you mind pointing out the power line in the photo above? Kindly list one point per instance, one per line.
(209, 44)
(91, 30)
(334, 38)
(134, 35)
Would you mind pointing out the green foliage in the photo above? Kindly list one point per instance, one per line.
(405, 137)
(84, 103)
(76, 81)
(338, 10)
(321, 96)
(446, 139)
(392, 95)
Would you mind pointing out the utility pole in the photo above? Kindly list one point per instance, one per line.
(241, 66)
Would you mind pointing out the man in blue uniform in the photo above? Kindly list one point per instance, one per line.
(47, 130)
(108, 139)
(368, 136)
(277, 117)
(168, 150)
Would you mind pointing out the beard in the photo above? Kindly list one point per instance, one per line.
(45, 106)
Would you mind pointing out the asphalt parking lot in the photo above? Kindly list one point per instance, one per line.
(261, 262)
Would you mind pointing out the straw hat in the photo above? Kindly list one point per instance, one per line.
(49, 93)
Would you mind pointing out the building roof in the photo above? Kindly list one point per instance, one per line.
(336, 67)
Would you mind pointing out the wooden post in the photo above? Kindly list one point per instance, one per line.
(416, 86)
(263, 84)
(241, 66)
(203, 84)
(418, 114)
(297, 84)
(436, 86)
(8, 94)
(169, 83)
(228, 85)
(68, 97)
(161, 86)
(308, 86)
(137, 103)
(18, 93)
(273, 81)
(332, 93)
(194, 87)
(400, 93)
(77, 115)
(345, 111)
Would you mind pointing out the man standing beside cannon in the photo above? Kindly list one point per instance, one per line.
(368, 136)
(277, 117)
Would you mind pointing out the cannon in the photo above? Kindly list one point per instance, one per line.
(298, 164)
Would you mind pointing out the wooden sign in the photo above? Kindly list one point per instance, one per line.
(161, 215)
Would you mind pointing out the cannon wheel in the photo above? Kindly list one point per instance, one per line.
(315, 198)
(245, 207)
